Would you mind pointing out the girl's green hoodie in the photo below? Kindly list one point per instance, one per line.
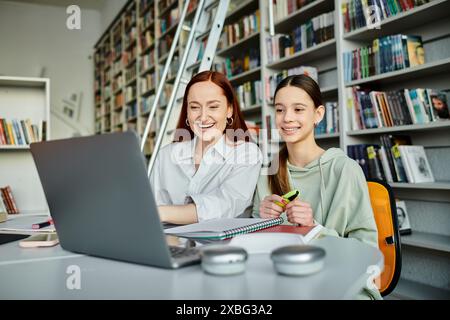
(337, 190)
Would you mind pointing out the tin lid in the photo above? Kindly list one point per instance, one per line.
(298, 254)
(223, 254)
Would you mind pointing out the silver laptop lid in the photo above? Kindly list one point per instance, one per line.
(100, 198)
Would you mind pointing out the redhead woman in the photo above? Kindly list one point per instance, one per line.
(212, 169)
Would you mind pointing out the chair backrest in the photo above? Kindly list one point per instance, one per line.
(385, 212)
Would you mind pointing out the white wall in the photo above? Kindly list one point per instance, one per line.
(109, 11)
(34, 36)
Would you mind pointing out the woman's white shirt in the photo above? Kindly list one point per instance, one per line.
(223, 185)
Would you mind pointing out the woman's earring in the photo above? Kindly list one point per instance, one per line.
(315, 125)
(187, 123)
(230, 123)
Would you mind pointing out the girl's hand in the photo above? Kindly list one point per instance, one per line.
(299, 212)
(268, 209)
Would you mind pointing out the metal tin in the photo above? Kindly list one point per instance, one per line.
(223, 255)
(298, 254)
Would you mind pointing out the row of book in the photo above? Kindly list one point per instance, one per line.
(273, 80)
(169, 20)
(377, 109)
(330, 122)
(7, 202)
(239, 30)
(21, 132)
(284, 8)
(238, 64)
(361, 13)
(395, 160)
(315, 31)
(249, 94)
(390, 53)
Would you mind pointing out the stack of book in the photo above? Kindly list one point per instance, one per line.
(361, 13)
(377, 109)
(21, 132)
(390, 53)
(313, 32)
(249, 94)
(330, 122)
(396, 160)
(273, 80)
(8, 201)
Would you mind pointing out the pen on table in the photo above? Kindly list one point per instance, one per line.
(42, 224)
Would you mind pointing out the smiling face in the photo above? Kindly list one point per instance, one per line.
(208, 110)
(295, 114)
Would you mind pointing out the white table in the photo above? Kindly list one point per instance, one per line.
(41, 273)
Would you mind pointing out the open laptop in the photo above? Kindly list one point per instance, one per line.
(101, 201)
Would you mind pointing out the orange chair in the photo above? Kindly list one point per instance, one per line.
(385, 212)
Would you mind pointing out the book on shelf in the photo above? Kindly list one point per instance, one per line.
(243, 28)
(21, 132)
(395, 160)
(249, 94)
(315, 31)
(416, 164)
(385, 54)
(330, 122)
(8, 200)
(404, 225)
(241, 63)
(378, 109)
(369, 13)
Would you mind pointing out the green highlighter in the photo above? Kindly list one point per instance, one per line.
(288, 197)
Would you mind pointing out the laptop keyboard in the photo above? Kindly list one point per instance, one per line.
(178, 252)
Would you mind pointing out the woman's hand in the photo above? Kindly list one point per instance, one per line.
(268, 209)
(299, 212)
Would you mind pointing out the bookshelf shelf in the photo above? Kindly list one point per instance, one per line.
(242, 77)
(252, 109)
(324, 49)
(326, 136)
(408, 289)
(439, 125)
(169, 30)
(14, 148)
(148, 49)
(166, 55)
(148, 27)
(424, 70)
(311, 10)
(427, 241)
(168, 8)
(245, 6)
(329, 91)
(148, 70)
(423, 14)
(439, 185)
(237, 45)
(148, 92)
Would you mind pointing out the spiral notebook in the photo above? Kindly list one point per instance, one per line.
(220, 229)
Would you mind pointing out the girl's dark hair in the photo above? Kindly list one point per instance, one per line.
(220, 80)
(279, 182)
